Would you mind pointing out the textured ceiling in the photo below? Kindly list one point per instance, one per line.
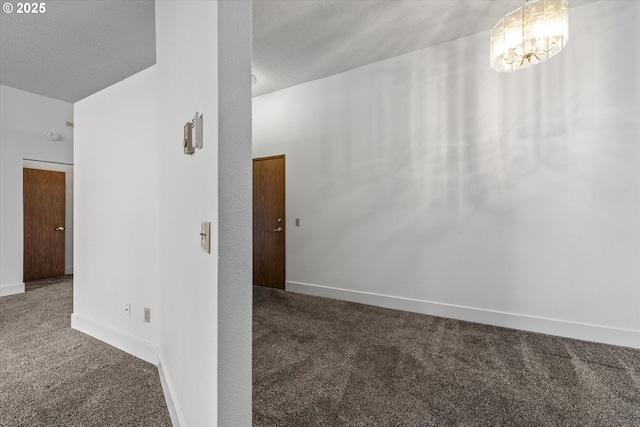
(78, 47)
(300, 41)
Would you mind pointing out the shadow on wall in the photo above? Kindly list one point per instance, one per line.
(431, 176)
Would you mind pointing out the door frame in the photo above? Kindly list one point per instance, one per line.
(67, 168)
(284, 176)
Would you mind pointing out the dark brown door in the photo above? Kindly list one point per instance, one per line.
(43, 223)
(269, 222)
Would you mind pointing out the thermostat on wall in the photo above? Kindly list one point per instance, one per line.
(190, 141)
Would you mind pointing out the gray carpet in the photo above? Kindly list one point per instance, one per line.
(41, 283)
(51, 375)
(322, 362)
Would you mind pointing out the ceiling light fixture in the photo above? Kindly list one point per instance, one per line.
(529, 35)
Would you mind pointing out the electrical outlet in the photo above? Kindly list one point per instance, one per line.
(127, 310)
(147, 314)
(297, 222)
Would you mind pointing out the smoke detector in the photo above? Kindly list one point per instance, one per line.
(53, 136)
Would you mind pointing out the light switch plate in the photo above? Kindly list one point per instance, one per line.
(205, 236)
(147, 314)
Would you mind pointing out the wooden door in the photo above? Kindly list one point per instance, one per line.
(44, 193)
(269, 221)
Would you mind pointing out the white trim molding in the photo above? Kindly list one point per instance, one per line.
(121, 340)
(563, 328)
(169, 394)
(136, 347)
(14, 289)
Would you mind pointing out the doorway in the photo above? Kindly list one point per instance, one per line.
(47, 220)
(269, 222)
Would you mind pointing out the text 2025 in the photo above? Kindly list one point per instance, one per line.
(31, 8)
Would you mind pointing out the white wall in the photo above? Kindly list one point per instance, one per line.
(116, 211)
(234, 210)
(25, 119)
(140, 201)
(431, 183)
(187, 47)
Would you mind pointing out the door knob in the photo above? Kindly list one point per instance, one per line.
(277, 230)
(59, 228)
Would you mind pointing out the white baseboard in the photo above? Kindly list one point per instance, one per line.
(169, 395)
(136, 347)
(563, 328)
(16, 288)
(68, 270)
(119, 339)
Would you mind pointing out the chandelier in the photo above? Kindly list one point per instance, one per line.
(528, 35)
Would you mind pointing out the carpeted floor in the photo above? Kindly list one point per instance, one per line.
(51, 375)
(41, 283)
(322, 362)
